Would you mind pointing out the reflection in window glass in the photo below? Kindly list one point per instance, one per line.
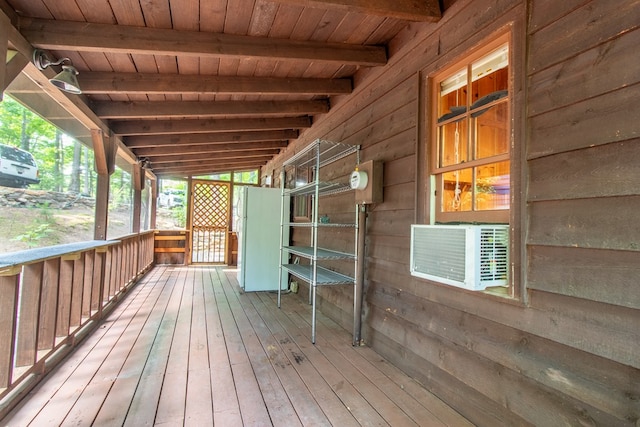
(120, 204)
(171, 212)
(492, 186)
(457, 190)
(145, 208)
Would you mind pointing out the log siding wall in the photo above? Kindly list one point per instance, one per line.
(567, 351)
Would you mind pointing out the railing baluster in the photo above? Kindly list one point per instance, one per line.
(76, 293)
(9, 285)
(64, 296)
(48, 304)
(30, 293)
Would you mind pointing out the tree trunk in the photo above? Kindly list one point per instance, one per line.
(58, 164)
(74, 185)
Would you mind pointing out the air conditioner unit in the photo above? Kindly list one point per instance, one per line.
(467, 256)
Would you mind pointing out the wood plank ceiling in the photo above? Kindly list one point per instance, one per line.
(200, 86)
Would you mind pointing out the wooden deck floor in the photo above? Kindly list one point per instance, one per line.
(187, 347)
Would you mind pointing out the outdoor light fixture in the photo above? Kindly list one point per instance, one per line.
(66, 79)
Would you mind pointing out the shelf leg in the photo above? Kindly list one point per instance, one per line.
(313, 315)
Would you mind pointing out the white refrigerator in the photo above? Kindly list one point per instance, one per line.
(258, 227)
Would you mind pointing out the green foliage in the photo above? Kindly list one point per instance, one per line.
(179, 216)
(42, 229)
(34, 234)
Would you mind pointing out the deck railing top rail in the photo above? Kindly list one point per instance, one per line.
(29, 256)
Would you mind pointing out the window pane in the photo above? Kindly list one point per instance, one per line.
(490, 74)
(453, 143)
(457, 189)
(492, 186)
(490, 127)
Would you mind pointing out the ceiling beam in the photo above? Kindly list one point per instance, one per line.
(410, 10)
(98, 82)
(197, 159)
(208, 138)
(213, 148)
(178, 109)
(91, 37)
(211, 167)
(159, 127)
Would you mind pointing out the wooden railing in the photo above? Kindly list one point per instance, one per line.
(51, 297)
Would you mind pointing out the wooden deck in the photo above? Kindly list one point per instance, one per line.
(187, 347)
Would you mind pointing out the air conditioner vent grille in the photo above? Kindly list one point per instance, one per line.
(493, 254)
(440, 253)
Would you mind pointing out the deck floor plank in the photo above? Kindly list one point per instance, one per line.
(186, 346)
(226, 408)
(142, 409)
(251, 401)
(172, 403)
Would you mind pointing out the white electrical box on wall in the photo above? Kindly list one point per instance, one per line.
(367, 182)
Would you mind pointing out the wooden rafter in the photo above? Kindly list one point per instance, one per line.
(176, 109)
(210, 148)
(184, 170)
(208, 138)
(91, 37)
(127, 83)
(200, 159)
(410, 10)
(148, 127)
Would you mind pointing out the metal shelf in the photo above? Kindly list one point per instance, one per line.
(324, 277)
(321, 253)
(319, 225)
(321, 152)
(313, 157)
(324, 189)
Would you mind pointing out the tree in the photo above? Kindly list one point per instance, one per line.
(74, 184)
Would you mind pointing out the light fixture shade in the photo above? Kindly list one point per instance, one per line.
(66, 80)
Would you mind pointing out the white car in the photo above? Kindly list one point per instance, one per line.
(18, 168)
(171, 198)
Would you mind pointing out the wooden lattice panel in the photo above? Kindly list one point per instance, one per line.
(210, 205)
(210, 221)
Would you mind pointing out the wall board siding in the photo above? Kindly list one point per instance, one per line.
(587, 173)
(606, 387)
(461, 397)
(598, 223)
(602, 69)
(595, 121)
(580, 30)
(599, 275)
(567, 352)
(524, 396)
(620, 324)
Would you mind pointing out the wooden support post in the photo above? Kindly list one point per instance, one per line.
(154, 204)
(15, 64)
(104, 149)
(138, 186)
(5, 24)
